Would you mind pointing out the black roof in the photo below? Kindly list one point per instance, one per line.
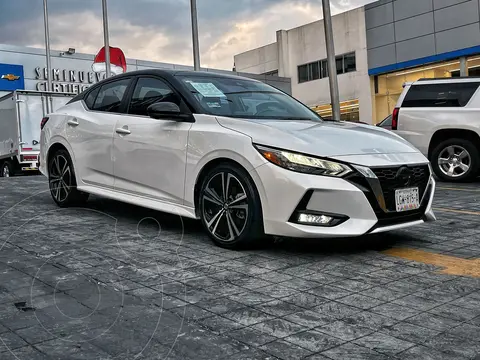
(171, 72)
(168, 74)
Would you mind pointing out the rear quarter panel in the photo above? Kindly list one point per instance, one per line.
(53, 133)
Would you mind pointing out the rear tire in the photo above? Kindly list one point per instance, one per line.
(62, 181)
(230, 207)
(6, 169)
(456, 160)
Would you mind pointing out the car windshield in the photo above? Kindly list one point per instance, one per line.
(241, 98)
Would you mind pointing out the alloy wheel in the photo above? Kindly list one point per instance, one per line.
(60, 181)
(5, 171)
(454, 161)
(225, 206)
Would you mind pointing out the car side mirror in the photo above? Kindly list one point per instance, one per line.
(167, 111)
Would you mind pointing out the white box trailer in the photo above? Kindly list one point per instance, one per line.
(20, 115)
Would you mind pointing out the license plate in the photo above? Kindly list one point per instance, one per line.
(407, 199)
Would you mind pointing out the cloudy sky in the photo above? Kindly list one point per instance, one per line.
(159, 30)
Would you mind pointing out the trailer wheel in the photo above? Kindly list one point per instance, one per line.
(6, 169)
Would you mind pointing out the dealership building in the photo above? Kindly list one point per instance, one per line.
(24, 68)
(378, 47)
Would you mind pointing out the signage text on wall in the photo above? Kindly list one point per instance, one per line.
(68, 81)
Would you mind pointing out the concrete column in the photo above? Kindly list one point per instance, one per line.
(283, 56)
(463, 66)
(365, 100)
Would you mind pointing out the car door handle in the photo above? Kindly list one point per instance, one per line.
(73, 122)
(123, 131)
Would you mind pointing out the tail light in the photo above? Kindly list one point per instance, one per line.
(395, 118)
(43, 122)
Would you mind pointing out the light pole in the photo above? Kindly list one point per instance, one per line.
(332, 68)
(47, 50)
(196, 48)
(106, 38)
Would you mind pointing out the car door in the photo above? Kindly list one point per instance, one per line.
(150, 154)
(90, 132)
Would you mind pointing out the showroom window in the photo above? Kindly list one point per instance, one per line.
(388, 87)
(319, 69)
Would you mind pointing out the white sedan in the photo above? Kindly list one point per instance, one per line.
(243, 157)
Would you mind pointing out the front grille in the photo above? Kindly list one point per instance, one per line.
(390, 182)
(408, 216)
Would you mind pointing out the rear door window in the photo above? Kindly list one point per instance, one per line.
(110, 96)
(440, 95)
(90, 98)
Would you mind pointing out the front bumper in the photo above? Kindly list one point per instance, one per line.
(283, 192)
(28, 161)
(29, 166)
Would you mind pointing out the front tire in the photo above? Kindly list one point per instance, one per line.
(230, 207)
(61, 180)
(456, 160)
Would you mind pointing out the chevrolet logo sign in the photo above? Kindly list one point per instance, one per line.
(10, 77)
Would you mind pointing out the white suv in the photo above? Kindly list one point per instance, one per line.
(441, 118)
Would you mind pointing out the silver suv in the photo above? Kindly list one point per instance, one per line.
(441, 118)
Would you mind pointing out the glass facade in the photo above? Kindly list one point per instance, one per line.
(349, 111)
(388, 87)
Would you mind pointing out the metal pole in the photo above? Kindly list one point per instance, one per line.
(106, 38)
(332, 68)
(196, 48)
(47, 50)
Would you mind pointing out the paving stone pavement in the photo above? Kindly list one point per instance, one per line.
(114, 281)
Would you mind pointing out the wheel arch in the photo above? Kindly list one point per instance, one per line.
(226, 160)
(54, 148)
(57, 144)
(445, 134)
(59, 141)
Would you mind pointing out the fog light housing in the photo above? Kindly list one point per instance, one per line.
(304, 216)
(314, 218)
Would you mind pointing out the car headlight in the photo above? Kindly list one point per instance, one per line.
(303, 163)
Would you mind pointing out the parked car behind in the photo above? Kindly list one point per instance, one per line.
(441, 118)
(241, 156)
(386, 123)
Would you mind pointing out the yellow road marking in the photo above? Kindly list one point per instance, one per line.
(457, 189)
(466, 212)
(451, 265)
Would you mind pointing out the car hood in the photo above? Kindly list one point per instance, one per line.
(327, 139)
